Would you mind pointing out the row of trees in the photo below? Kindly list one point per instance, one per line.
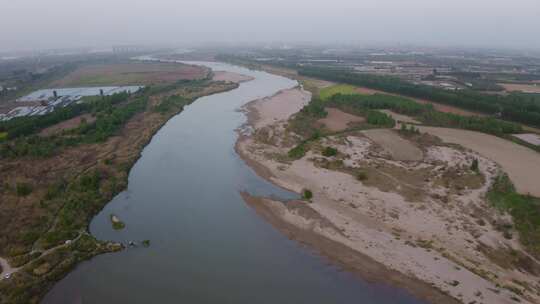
(170, 103)
(379, 101)
(475, 123)
(109, 119)
(380, 119)
(22, 126)
(515, 107)
(425, 113)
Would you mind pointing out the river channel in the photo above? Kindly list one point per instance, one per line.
(207, 245)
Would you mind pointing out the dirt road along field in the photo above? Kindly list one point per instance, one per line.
(520, 163)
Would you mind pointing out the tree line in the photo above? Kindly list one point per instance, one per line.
(514, 107)
(111, 113)
(22, 126)
(425, 113)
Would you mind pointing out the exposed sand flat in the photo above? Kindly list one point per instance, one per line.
(530, 138)
(399, 148)
(520, 163)
(401, 117)
(337, 120)
(230, 77)
(279, 107)
(526, 88)
(386, 228)
(378, 232)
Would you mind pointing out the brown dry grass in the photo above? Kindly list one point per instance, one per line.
(130, 74)
(67, 125)
(337, 120)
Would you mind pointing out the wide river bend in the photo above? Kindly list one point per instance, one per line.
(207, 245)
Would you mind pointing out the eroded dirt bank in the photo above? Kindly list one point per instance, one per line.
(421, 222)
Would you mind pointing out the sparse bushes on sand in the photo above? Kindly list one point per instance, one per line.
(307, 194)
(329, 152)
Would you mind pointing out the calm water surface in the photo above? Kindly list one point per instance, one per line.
(207, 245)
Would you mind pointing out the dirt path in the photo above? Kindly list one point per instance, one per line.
(520, 163)
(6, 268)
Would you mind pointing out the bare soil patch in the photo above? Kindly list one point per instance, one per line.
(67, 125)
(398, 147)
(337, 120)
(526, 88)
(520, 163)
(131, 74)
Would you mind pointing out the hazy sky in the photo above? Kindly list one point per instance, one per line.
(27, 24)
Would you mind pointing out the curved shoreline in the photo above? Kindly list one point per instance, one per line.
(281, 272)
(350, 260)
(357, 263)
(355, 225)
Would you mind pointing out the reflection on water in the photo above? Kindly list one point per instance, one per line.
(207, 246)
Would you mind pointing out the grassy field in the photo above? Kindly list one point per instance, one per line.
(130, 74)
(328, 92)
(3, 135)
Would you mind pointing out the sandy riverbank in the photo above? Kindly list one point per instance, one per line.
(230, 77)
(408, 224)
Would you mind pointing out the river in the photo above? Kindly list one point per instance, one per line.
(207, 245)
